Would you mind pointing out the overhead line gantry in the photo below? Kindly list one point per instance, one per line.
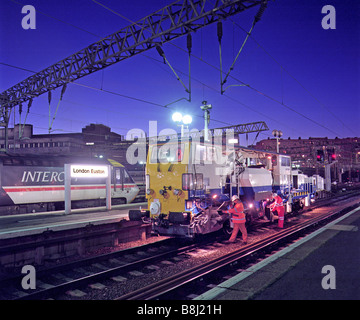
(166, 24)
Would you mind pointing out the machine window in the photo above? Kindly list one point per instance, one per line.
(187, 181)
(285, 162)
(167, 153)
(199, 183)
(205, 154)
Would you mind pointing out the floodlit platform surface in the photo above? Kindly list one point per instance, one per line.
(35, 223)
(296, 272)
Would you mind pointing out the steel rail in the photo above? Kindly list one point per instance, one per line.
(106, 274)
(178, 280)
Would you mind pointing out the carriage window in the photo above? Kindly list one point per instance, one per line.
(28, 162)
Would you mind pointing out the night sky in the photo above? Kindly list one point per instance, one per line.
(303, 80)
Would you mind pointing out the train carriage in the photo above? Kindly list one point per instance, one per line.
(31, 183)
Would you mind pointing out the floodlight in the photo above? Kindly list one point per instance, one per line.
(187, 119)
(177, 117)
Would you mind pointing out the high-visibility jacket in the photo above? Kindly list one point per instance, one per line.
(237, 213)
(278, 204)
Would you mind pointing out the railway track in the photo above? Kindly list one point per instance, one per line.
(189, 281)
(116, 266)
(55, 281)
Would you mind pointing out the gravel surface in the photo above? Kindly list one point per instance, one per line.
(137, 279)
(164, 269)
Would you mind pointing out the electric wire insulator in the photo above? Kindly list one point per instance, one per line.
(29, 104)
(189, 42)
(219, 30)
(262, 8)
(49, 97)
(63, 91)
(160, 51)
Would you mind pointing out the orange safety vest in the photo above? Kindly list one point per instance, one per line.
(278, 204)
(237, 213)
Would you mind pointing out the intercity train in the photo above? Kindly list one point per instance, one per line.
(35, 183)
(189, 183)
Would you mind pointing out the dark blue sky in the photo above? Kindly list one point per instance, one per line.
(304, 80)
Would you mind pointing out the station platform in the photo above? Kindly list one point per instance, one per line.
(299, 272)
(13, 226)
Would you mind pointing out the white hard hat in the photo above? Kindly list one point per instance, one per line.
(234, 197)
(275, 195)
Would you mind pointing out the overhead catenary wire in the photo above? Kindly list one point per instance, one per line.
(156, 104)
(166, 106)
(236, 79)
(256, 19)
(292, 76)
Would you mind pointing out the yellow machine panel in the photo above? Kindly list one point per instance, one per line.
(164, 170)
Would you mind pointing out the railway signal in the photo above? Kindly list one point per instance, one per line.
(331, 155)
(320, 155)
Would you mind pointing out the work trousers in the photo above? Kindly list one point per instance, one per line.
(237, 227)
(281, 214)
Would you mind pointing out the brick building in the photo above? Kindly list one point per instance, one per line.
(304, 154)
(93, 139)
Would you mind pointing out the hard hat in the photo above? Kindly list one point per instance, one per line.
(275, 195)
(234, 197)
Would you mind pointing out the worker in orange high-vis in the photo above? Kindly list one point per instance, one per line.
(238, 219)
(278, 206)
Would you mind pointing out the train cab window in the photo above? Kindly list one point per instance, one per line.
(127, 178)
(167, 153)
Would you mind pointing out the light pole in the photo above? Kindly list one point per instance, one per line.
(277, 134)
(182, 121)
(206, 107)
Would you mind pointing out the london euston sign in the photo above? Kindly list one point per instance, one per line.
(89, 171)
